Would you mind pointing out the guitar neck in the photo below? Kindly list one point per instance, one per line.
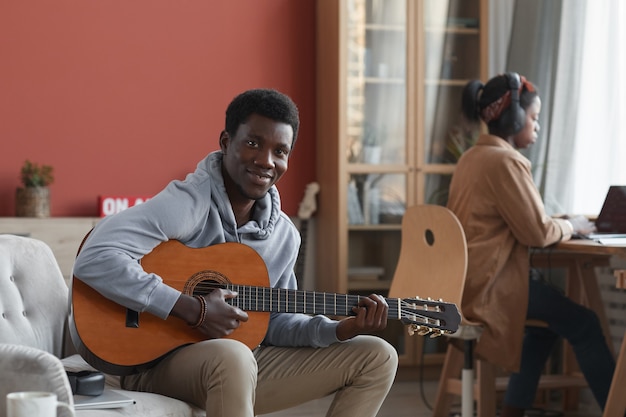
(280, 300)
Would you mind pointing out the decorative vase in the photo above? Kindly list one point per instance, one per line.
(32, 202)
(372, 154)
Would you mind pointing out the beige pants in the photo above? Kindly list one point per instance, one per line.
(229, 380)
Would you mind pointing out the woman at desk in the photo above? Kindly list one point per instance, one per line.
(494, 196)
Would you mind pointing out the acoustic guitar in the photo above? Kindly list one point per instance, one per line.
(120, 341)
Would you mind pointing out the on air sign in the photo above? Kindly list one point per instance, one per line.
(114, 204)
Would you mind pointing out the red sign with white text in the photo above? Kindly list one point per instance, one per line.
(114, 204)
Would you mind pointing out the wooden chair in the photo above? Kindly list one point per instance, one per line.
(433, 264)
(486, 384)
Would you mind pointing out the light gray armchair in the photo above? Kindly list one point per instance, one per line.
(35, 348)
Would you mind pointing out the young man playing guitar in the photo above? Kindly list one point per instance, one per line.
(231, 197)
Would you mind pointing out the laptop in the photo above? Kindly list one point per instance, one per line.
(611, 222)
(108, 399)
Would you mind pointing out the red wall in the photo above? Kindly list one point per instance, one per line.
(121, 96)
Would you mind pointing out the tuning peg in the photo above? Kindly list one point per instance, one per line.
(423, 330)
(436, 333)
(411, 329)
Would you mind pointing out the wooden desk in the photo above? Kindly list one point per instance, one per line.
(580, 257)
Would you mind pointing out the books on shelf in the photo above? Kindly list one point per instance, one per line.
(366, 272)
(367, 278)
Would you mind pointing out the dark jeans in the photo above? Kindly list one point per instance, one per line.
(579, 326)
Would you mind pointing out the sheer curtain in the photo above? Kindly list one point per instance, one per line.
(574, 52)
(600, 143)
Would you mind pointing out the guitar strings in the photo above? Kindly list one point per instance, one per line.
(290, 300)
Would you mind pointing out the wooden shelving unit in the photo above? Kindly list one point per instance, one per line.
(390, 75)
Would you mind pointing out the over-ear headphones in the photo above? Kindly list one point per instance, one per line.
(513, 118)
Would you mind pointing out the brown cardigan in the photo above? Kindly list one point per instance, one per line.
(494, 196)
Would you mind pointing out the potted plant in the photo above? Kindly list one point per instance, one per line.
(373, 137)
(460, 138)
(33, 198)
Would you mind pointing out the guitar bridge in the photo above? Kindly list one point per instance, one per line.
(132, 318)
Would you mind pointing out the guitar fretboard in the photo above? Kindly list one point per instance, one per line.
(281, 300)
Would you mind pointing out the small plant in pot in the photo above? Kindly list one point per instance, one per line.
(33, 198)
(373, 137)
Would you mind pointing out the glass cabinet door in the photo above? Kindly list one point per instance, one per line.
(452, 57)
(376, 110)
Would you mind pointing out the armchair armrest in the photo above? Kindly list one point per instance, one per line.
(24, 368)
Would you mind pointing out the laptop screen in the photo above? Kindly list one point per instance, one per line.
(612, 217)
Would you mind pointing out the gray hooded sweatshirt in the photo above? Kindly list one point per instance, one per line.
(196, 212)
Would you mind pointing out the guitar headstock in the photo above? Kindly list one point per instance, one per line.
(308, 205)
(427, 316)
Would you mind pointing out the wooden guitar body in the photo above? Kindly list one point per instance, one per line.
(100, 327)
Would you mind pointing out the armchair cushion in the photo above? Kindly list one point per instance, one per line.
(33, 295)
(146, 404)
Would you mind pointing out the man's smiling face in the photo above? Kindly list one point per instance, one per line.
(256, 157)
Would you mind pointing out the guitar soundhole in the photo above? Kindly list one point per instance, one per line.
(204, 282)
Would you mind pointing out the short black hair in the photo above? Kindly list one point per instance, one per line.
(264, 102)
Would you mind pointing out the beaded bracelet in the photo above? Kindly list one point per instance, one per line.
(202, 313)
